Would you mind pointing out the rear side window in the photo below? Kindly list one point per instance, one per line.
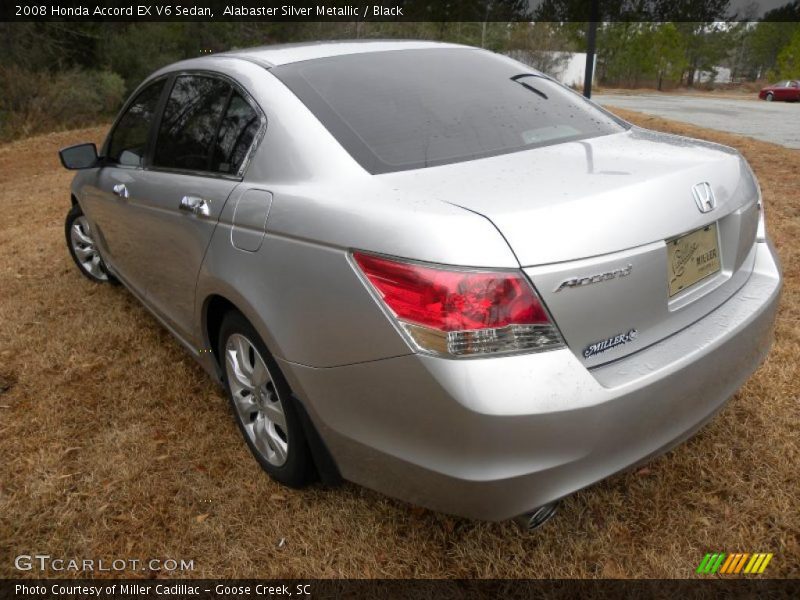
(236, 134)
(409, 109)
(129, 139)
(190, 123)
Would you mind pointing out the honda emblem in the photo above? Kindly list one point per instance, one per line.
(704, 197)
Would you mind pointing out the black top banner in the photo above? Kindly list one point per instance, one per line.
(400, 10)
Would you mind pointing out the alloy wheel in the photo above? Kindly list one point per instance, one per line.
(258, 406)
(86, 253)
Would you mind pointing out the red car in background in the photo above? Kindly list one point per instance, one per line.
(783, 90)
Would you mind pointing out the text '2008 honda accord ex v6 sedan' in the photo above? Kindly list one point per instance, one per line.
(429, 269)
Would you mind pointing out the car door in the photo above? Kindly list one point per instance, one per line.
(203, 138)
(794, 90)
(106, 200)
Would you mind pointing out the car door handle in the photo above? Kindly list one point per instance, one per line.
(120, 190)
(194, 205)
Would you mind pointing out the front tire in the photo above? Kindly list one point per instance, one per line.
(769, 98)
(82, 246)
(262, 404)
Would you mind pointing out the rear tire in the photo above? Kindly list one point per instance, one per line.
(82, 247)
(262, 404)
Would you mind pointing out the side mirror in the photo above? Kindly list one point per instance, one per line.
(82, 156)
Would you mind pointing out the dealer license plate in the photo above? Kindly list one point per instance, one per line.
(691, 258)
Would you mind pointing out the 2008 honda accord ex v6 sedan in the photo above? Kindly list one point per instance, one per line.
(429, 269)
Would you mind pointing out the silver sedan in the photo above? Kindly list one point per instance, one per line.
(430, 269)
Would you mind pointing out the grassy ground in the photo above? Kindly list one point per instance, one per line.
(115, 445)
(733, 94)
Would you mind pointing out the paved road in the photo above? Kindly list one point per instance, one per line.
(776, 122)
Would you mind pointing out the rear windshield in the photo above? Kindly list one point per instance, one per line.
(408, 109)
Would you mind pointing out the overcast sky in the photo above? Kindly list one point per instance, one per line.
(756, 8)
(762, 6)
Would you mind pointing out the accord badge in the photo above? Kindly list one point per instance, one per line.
(581, 281)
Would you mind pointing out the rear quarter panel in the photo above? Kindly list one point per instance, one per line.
(299, 288)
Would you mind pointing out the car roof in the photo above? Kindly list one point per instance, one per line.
(281, 54)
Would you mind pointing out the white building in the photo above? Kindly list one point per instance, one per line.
(718, 75)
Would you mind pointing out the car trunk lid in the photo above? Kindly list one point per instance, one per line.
(600, 214)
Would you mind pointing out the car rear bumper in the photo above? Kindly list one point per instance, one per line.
(493, 438)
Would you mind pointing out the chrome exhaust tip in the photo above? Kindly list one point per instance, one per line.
(537, 517)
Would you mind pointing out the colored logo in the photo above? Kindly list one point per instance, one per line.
(734, 564)
(612, 342)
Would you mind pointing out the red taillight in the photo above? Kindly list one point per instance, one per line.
(459, 311)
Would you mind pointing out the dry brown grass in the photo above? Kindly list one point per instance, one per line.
(738, 93)
(115, 444)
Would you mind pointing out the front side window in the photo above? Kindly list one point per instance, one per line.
(190, 123)
(409, 109)
(129, 139)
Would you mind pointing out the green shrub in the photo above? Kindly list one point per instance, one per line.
(788, 65)
(35, 102)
